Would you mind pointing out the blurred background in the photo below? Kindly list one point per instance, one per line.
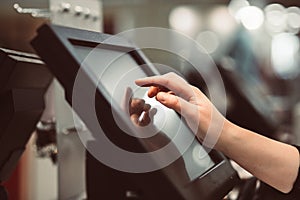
(255, 45)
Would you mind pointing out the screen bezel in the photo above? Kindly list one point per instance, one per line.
(52, 38)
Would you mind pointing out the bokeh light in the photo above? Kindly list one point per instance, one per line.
(275, 18)
(285, 55)
(251, 17)
(184, 19)
(208, 40)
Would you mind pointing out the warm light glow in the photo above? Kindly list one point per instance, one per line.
(251, 17)
(184, 19)
(221, 21)
(285, 55)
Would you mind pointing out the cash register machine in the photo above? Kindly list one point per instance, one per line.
(24, 80)
(90, 66)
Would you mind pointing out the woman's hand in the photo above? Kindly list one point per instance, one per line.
(174, 92)
(265, 158)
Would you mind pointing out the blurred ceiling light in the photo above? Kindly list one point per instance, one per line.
(221, 21)
(184, 19)
(235, 5)
(275, 18)
(293, 19)
(285, 55)
(208, 40)
(251, 17)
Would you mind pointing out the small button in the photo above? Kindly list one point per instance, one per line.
(65, 7)
(86, 12)
(78, 10)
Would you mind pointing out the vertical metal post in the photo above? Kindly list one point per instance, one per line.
(83, 14)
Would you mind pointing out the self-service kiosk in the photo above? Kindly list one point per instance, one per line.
(24, 80)
(96, 72)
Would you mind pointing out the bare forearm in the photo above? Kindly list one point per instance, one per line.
(273, 162)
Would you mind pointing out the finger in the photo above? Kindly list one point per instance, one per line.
(137, 106)
(174, 102)
(171, 81)
(135, 118)
(145, 120)
(141, 120)
(146, 107)
(171, 92)
(152, 112)
(153, 90)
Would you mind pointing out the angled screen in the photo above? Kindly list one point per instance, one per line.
(112, 72)
(117, 72)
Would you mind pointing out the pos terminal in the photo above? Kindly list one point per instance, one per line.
(24, 80)
(98, 76)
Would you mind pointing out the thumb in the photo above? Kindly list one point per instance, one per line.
(172, 101)
(185, 109)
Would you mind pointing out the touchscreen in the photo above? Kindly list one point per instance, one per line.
(117, 72)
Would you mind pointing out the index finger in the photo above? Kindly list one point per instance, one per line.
(170, 81)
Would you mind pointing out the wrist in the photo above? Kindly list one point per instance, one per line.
(229, 135)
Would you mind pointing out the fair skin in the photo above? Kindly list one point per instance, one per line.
(273, 162)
